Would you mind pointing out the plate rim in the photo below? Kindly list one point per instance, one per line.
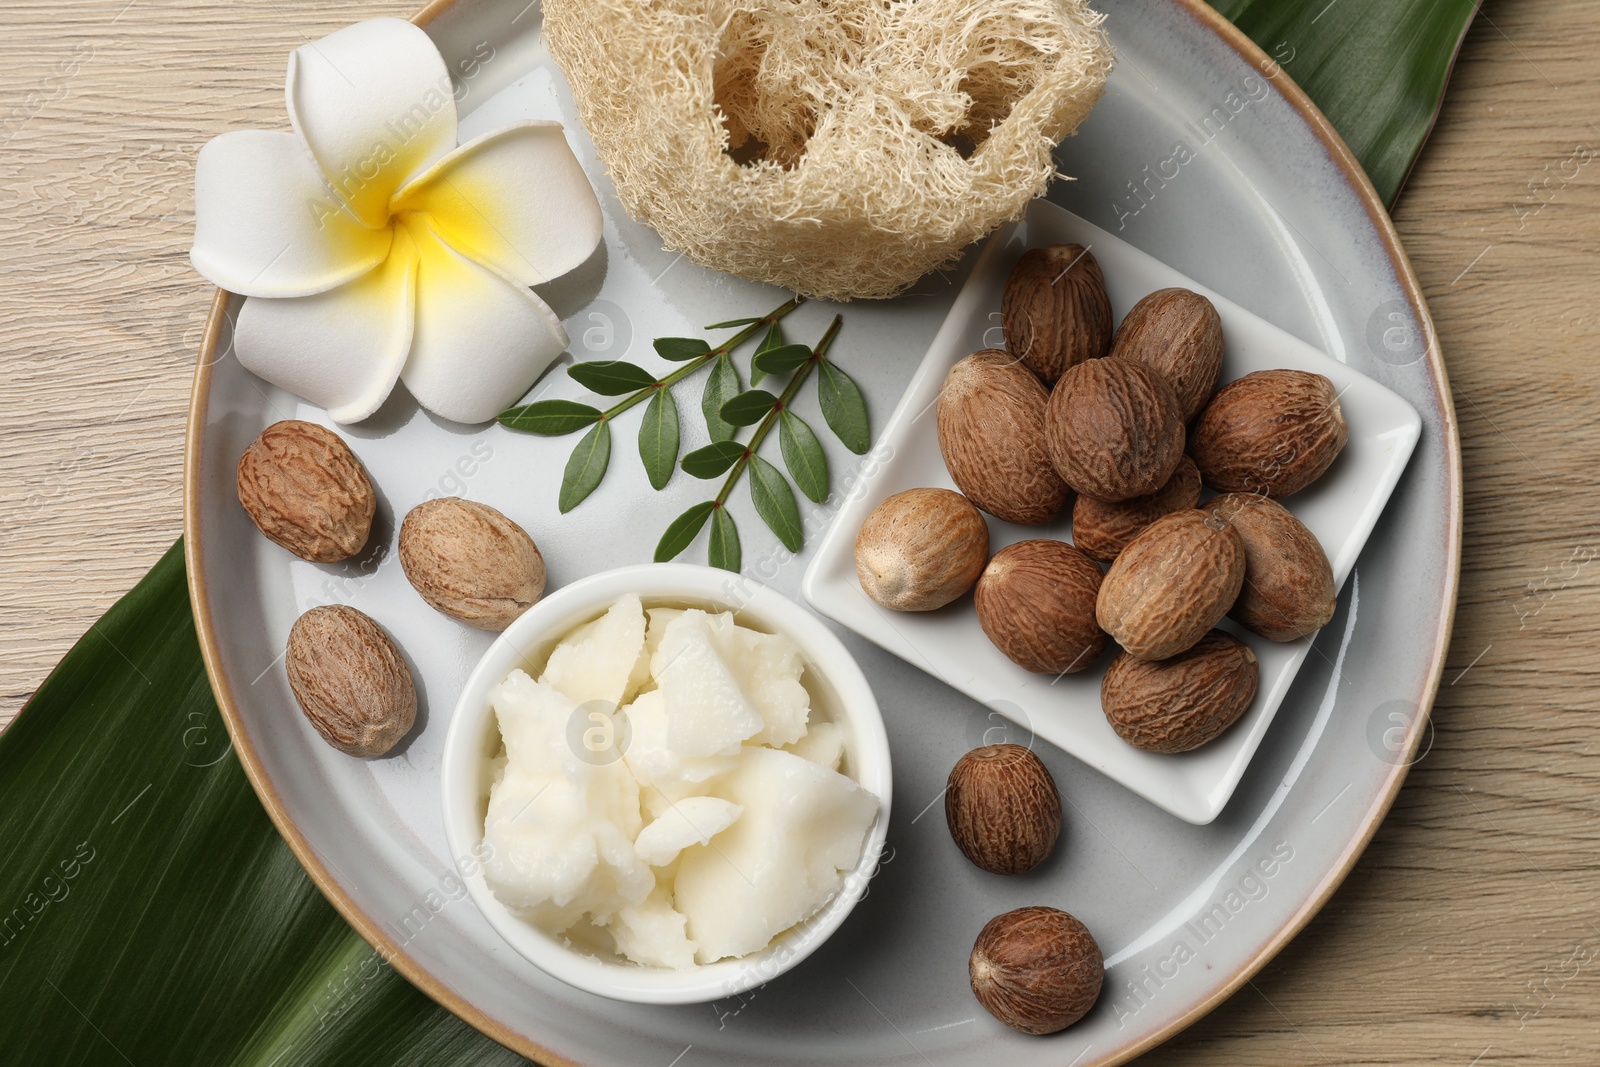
(395, 955)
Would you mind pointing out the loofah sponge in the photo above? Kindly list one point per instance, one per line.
(838, 148)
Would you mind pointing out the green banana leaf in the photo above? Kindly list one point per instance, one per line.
(1376, 68)
(150, 914)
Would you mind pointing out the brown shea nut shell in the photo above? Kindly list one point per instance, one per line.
(1055, 310)
(991, 434)
(1273, 432)
(1035, 601)
(1002, 808)
(1288, 582)
(1172, 584)
(1114, 429)
(305, 490)
(1176, 333)
(921, 549)
(1180, 703)
(1103, 530)
(470, 562)
(1036, 969)
(350, 680)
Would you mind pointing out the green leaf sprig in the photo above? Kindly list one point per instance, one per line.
(843, 408)
(659, 430)
(727, 407)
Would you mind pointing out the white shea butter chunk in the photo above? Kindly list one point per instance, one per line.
(768, 667)
(530, 716)
(765, 668)
(780, 862)
(823, 743)
(560, 831)
(664, 774)
(708, 712)
(602, 660)
(651, 933)
(691, 821)
(656, 627)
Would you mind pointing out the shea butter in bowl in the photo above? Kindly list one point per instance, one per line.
(666, 784)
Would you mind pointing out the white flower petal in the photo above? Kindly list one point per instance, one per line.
(480, 339)
(266, 224)
(374, 103)
(515, 199)
(342, 349)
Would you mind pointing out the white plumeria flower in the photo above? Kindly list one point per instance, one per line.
(372, 248)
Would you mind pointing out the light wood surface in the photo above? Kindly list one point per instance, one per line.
(1468, 934)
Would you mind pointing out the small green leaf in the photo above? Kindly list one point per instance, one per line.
(681, 349)
(844, 408)
(803, 455)
(658, 438)
(731, 323)
(774, 501)
(611, 377)
(713, 460)
(722, 384)
(550, 418)
(781, 360)
(723, 548)
(749, 407)
(682, 531)
(773, 340)
(586, 466)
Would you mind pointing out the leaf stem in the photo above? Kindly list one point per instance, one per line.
(771, 418)
(700, 361)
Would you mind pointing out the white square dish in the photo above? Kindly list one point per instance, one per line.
(1341, 508)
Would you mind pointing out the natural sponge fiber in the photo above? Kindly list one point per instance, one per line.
(838, 148)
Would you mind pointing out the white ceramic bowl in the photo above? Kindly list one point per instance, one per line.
(839, 690)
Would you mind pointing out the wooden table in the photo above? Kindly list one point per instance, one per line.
(1469, 933)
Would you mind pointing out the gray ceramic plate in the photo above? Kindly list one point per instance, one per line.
(1271, 213)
